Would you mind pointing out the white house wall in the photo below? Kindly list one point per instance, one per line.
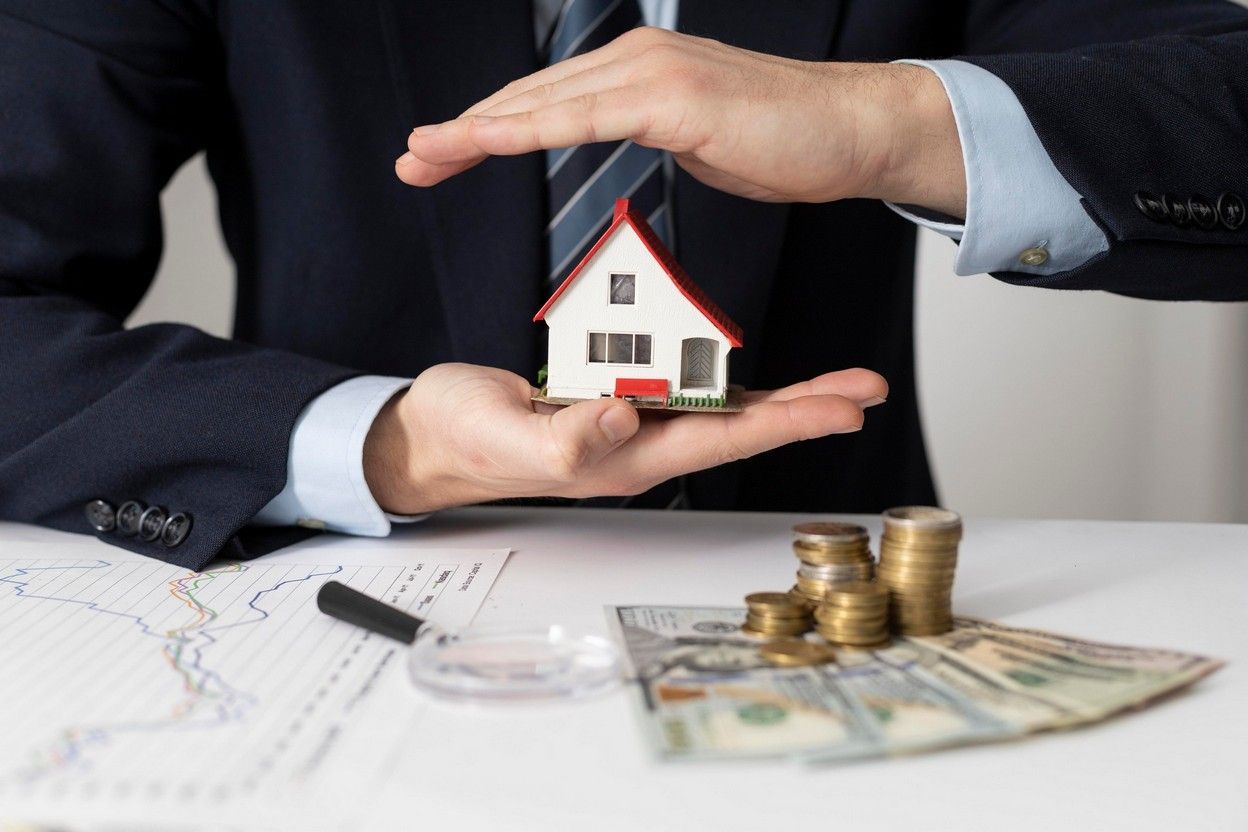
(660, 310)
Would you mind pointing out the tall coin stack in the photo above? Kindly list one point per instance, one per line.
(774, 614)
(830, 553)
(918, 555)
(854, 614)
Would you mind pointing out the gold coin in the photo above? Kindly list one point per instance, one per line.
(920, 537)
(853, 624)
(891, 547)
(821, 557)
(859, 545)
(788, 628)
(912, 574)
(858, 592)
(775, 604)
(796, 595)
(796, 652)
(910, 557)
(926, 518)
(919, 540)
(767, 599)
(776, 621)
(829, 531)
(918, 557)
(918, 600)
(813, 587)
(829, 611)
(846, 572)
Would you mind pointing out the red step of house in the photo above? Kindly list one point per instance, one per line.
(641, 387)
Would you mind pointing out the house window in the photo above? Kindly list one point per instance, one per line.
(623, 288)
(620, 348)
(641, 352)
(597, 347)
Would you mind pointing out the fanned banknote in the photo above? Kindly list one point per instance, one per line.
(706, 693)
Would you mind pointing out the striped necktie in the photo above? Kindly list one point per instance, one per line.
(583, 182)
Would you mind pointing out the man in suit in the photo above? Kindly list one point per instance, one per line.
(1082, 145)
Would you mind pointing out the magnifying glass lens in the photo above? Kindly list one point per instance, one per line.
(512, 664)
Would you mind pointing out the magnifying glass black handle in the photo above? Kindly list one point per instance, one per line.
(354, 607)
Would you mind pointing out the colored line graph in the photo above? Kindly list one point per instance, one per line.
(129, 682)
(207, 696)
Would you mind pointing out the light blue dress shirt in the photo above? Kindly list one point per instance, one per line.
(1015, 200)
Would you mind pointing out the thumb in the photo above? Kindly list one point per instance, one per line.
(581, 434)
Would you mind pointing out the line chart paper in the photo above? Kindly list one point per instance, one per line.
(132, 688)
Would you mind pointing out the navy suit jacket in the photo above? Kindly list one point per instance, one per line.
(302, 107)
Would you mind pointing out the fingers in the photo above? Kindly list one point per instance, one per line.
(598, 116)
(767, 425)
(593, 80)
(865, 387)
(549, 76)
(451, 148)
(584, 99)
(413, 171)
(576, 438)
(695, 441)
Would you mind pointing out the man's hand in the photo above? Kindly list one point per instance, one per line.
(466, 434)
(751, 124)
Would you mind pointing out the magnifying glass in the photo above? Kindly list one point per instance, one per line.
(484, 664)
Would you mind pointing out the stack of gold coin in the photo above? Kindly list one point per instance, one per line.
(830, 553)
(772, 614)
(796, 652)
(918, 555)
(854, 614)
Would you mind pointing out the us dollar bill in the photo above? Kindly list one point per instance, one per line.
(704, 692)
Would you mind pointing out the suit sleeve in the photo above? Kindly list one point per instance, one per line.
(1143, 108)
(102, 101)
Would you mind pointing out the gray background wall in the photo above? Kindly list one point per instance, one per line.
(1036, 403)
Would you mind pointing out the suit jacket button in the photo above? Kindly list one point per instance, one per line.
(100, 515)
(175, 530)
(1151, 206)
(128, 518)
(1177, 210)
(1202, 211)
(1231, 211)
(151, 522)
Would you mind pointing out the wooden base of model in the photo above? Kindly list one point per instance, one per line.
(734, 402)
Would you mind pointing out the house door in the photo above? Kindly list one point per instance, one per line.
(697, 363)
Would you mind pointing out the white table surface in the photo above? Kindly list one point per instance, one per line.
(1180, 765)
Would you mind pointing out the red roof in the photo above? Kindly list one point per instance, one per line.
(703, 303)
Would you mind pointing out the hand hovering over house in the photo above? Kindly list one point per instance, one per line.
(466, 434)
(754, 125)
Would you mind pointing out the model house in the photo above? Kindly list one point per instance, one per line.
(629, 322)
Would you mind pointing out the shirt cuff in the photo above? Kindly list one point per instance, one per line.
(325, 485)
(1021, 213)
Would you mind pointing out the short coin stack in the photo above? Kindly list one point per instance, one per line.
(830, 553)
(796, 652)
(774, 614)
(918, 554)
(854, 614)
